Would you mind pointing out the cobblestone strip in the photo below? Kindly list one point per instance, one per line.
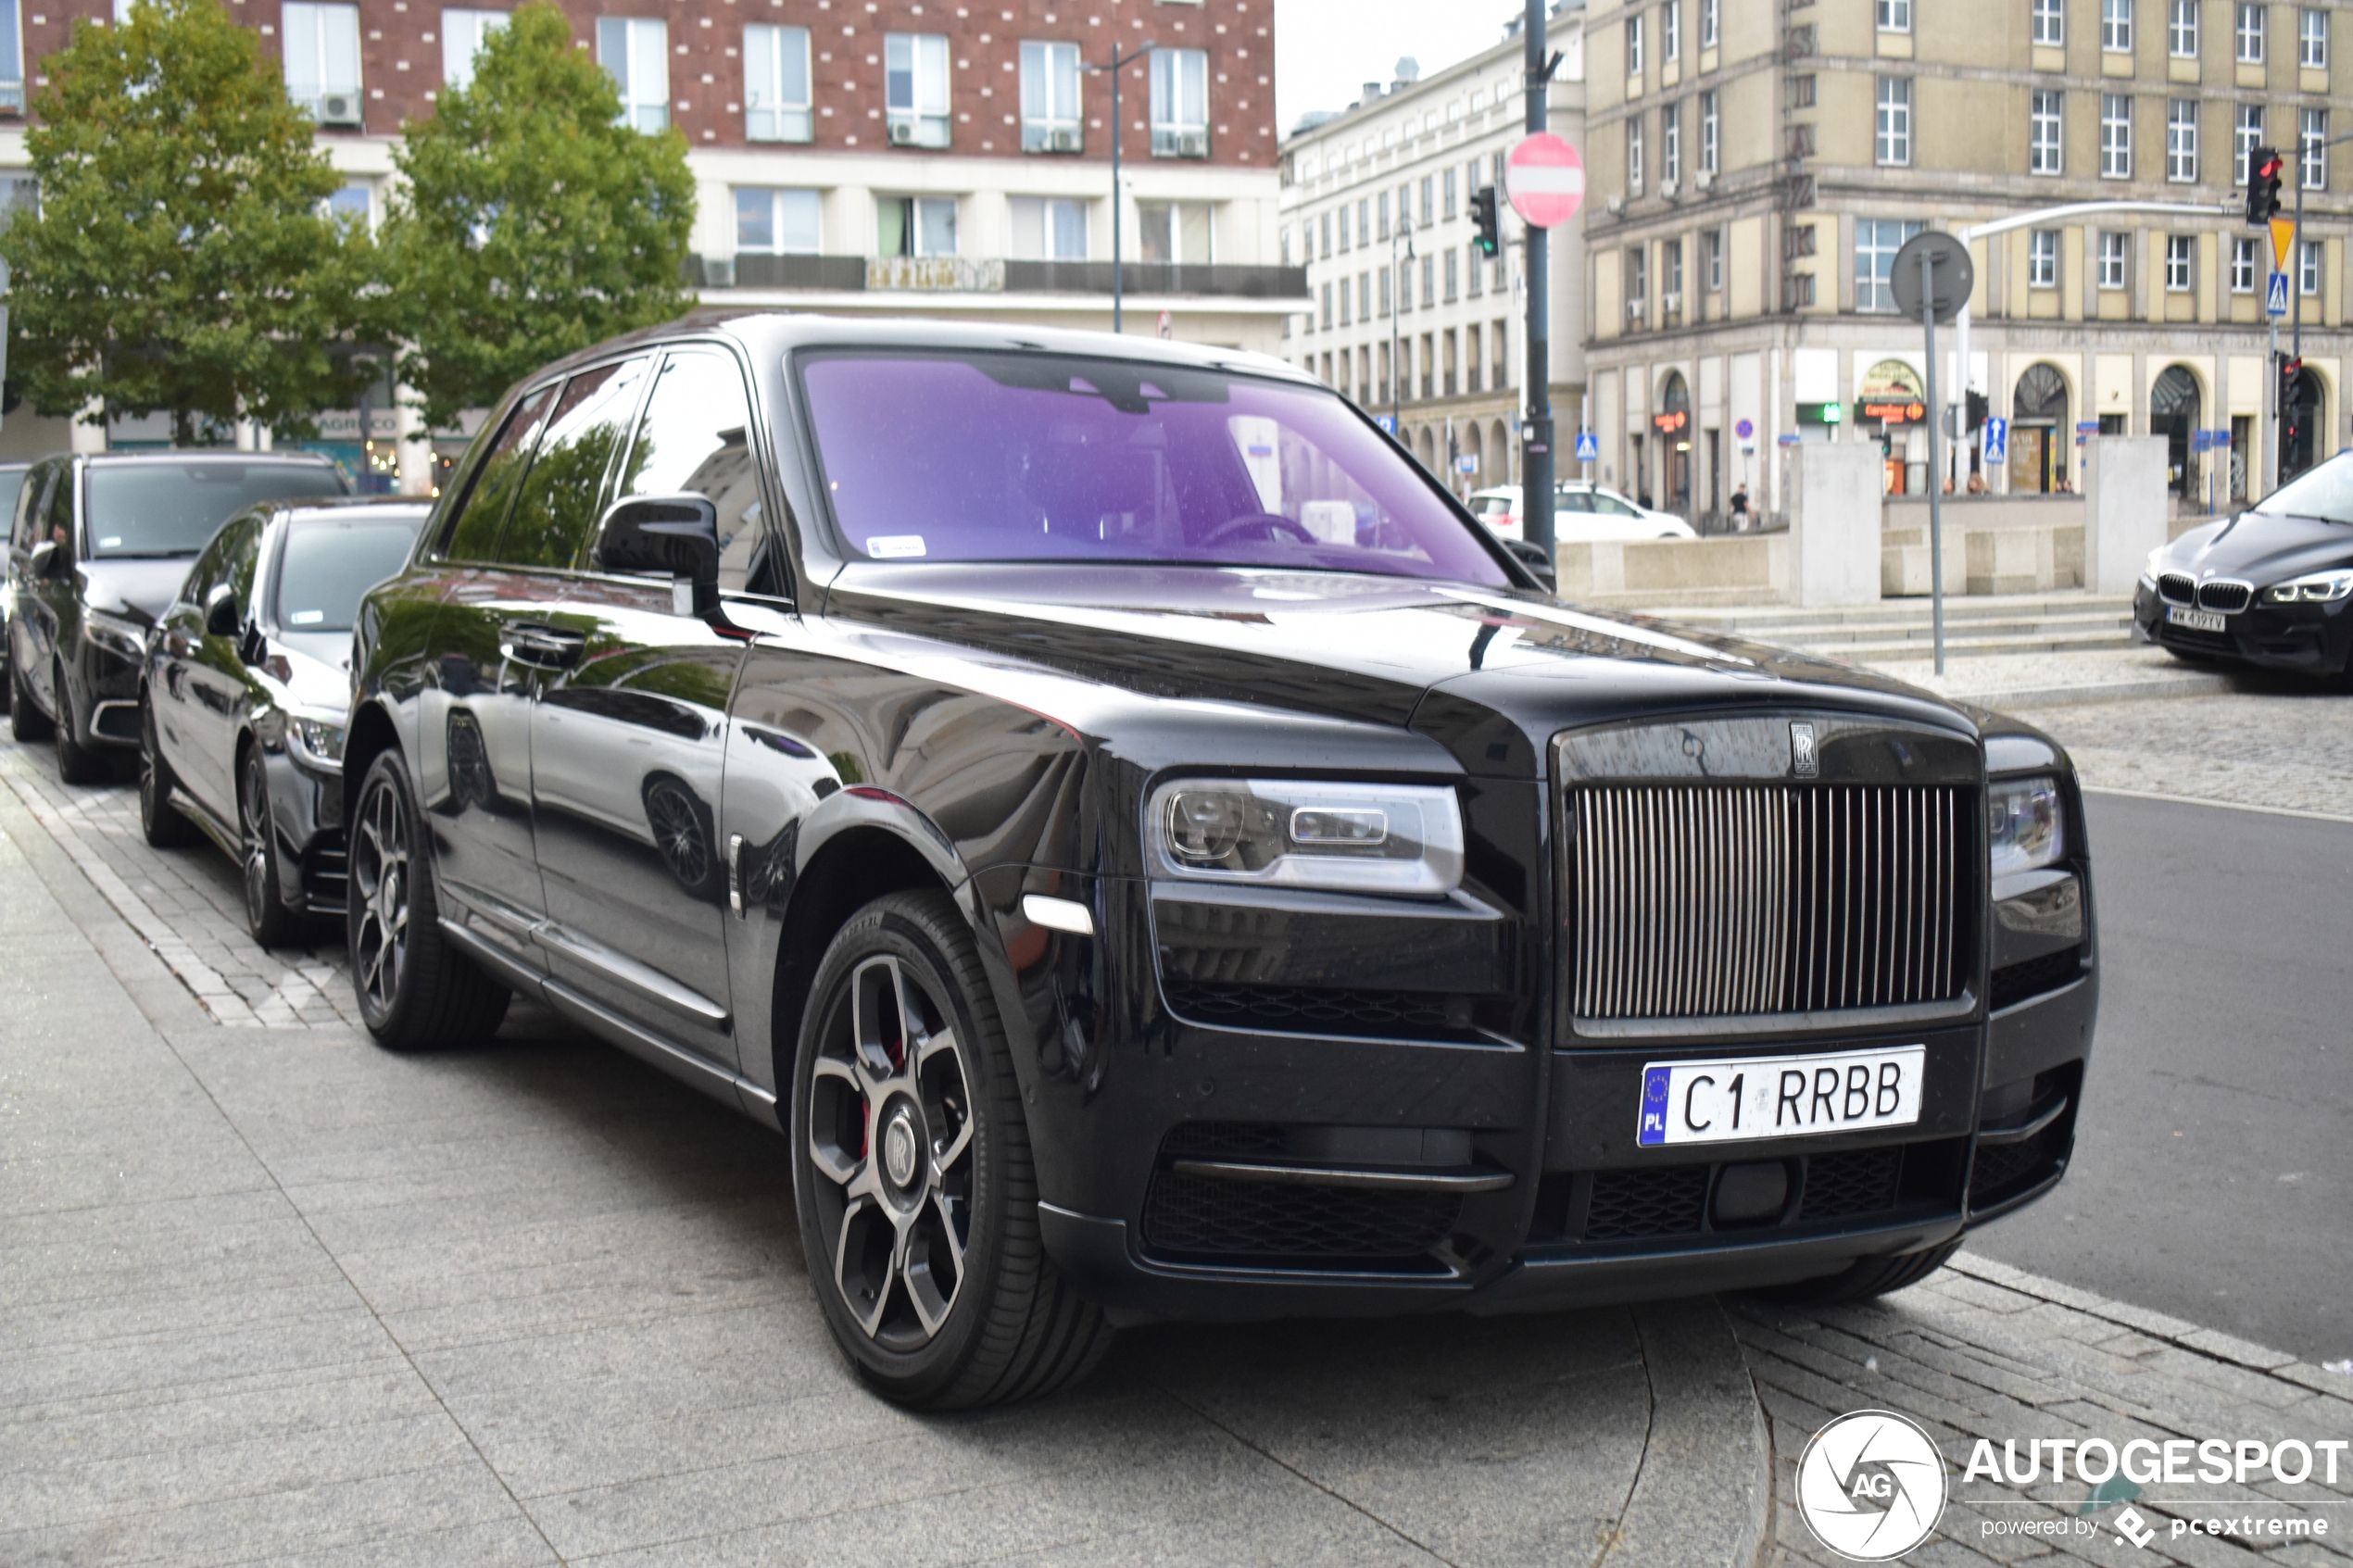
(1982, 1350)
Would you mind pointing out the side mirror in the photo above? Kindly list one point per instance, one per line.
(220, 615)
(676, 536)
(1533, 557)
(43, 557)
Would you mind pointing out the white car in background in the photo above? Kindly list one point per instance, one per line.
(1581, 514)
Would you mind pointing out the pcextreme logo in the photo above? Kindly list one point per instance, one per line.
(1870, 1485)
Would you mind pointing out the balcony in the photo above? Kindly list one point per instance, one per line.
(960, 274)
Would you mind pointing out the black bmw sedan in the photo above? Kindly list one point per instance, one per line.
(2271, 587)
(1151, 853)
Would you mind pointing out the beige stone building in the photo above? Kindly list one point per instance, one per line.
(1753, 168)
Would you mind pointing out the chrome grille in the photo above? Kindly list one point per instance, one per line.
(2176, 587)
(2226, 597)
(1738, 900)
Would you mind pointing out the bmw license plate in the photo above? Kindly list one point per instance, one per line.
(1780, 1096)
(2195, 620)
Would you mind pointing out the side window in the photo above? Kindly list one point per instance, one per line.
(207, 571)
(696, 439)
(57, 513)
(31, 500)
(1575, 501)
(558, 506)
(474, 534)
(244, 553)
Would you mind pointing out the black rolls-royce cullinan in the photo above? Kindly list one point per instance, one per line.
(1152, 854)
(2271, 586)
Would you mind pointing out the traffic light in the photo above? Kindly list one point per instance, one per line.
(2291, 382)
(2262, 185)
(1485, 235)
(1977, 409)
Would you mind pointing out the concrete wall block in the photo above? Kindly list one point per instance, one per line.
(2125, 509)
(2011, 560)
(1837, 553)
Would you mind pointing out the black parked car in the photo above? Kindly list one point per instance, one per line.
(1152, 853)
(248, 683)
(11, 488)
(2271, 587)
(101, 541)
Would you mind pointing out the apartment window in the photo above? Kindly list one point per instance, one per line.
(1346, 302)
(1895, 16)
(2113, 255)
(1050, 98)
(635, 51)
(1180, 103)
(1430, 282)
(1670, 31)
(1404, 287)
(1185, 232)
(1893, 143)
(1801, 92)
(916, 89)
(2247, 266)
(2247, 135)
(1052, 229)
(916, 226)
(2042, 259)
(2313, 140)
(1671, 253)
(1670, 142)
(462, 35)
(1344, 228)
(1711, 258)
(355, 206)
(1449, 195)
(1429, 208)
(1453, 275)
(2308, 269)
(1364, 296)
(2049, 21)
(2116, 26)
(2249, 34)
(776, 84)
(1876, 242)
(1383, 210)
(1710, 133)
(2115, 250)
(1474, 274)
(1384, 291)
(2313, 39)
(2116, 136)
(777, 222)
(2181, 262)
(322, 60)
(1638, 276)
(1634, 154)
(1634, 45)
(1328, 307)
(1710, 25)
(1325, 224)
(2181, 30)
(2180, 141)
(1364, 220)
(2044, 140)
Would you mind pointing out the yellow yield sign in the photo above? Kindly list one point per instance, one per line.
(2283, 236)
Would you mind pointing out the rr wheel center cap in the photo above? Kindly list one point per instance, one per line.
(899, 1148)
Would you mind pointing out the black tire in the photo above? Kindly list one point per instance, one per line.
(26, 723)
(1864, 1279)
(1011, 1327)
(268, 920)
(416, 992)
(160, 823)
(77, 764)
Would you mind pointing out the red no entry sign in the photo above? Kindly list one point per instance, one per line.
(1546, 179)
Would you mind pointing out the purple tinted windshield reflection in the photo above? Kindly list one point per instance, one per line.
(1038, 458)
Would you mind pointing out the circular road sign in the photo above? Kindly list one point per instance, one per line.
(1546, 179)
(1744, 429)
(1950, 274)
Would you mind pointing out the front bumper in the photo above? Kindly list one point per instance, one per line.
(2309, 638)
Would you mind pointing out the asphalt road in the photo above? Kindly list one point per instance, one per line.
(2213, 1174)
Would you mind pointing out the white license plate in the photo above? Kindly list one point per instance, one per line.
(1780, 1096)
(2195, 620)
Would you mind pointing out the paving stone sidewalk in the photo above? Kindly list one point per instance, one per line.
(2283, 746)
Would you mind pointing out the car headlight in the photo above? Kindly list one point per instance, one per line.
(2150, 567)
(318, 741)
(1346, 837)
(2318, 588)
(2027, 826)
(124, 639)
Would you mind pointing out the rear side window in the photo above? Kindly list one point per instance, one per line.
(57, 509)
(695, 440)
(558, 506)
(26, 524)
(12, 487)
(473, 534)
(171, 508)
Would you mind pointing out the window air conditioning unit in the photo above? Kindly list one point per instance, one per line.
(1192, 144)
(1063, 139)
(902, 134)
(1672, 304)
(339, 108)
(1637, 308)
(719, 272)
(1666, 189)
(1617, 204)
(1703, 181)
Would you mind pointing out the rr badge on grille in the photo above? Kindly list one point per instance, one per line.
(1804, 763)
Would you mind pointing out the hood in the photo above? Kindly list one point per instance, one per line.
(142, 585)
(1489, 672)
(2260, 549)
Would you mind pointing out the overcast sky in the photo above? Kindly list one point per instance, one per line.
(1327, 50)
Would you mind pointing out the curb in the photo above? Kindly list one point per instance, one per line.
(1703, 1496)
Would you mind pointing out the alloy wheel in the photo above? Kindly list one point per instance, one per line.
(678, 833)
(253, 800)
(891, 1140)
(379, 872)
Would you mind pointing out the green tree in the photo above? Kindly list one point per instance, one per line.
(182, 260)
(532, 223)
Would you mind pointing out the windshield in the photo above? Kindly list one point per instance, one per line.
(1023, 457)
(2325, 491)
(174, 509)
(330, 561)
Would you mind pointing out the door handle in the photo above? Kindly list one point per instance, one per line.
(542, 648)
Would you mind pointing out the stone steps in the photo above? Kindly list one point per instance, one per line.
(1902, 629)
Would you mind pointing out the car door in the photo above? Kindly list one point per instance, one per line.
(179, 644)
(46, 605)
(627, 742)
(215, 682)
(474, 738)
(24, 532)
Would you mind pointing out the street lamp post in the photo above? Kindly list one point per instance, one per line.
(1119, 62)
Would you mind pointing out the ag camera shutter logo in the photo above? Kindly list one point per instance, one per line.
(1870, 1485)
